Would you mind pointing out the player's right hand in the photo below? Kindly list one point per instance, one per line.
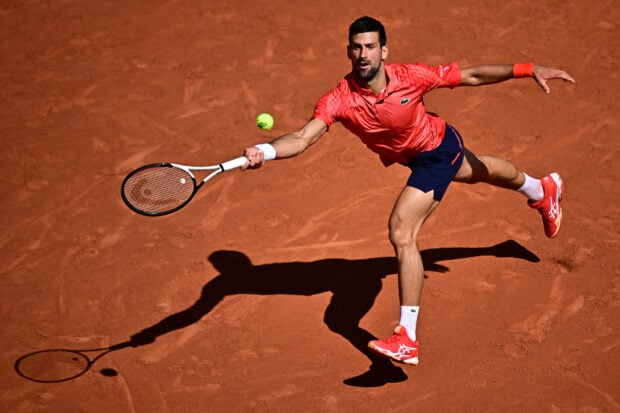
(256, 158)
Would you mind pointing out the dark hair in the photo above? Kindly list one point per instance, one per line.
(367, 24)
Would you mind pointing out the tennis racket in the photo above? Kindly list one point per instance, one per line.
(162, 188)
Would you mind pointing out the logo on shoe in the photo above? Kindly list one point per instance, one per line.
(554, 204)
(403, 351)
(553, 210)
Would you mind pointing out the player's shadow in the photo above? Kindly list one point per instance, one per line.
(354, 285)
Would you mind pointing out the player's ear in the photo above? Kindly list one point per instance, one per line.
(349, 49)
(384, 52)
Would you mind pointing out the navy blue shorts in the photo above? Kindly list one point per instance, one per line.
(434, 170)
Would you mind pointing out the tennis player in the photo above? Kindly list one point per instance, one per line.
(382, 104)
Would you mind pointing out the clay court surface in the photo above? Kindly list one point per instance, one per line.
(262, 293)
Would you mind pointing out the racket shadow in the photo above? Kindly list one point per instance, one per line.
(60, 365)
(354, 285)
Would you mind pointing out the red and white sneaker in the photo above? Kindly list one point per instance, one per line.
(398, 347)
(549, 207)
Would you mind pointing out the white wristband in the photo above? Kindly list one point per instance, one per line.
(268, 150)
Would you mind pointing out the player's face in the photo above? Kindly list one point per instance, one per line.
(366, 55)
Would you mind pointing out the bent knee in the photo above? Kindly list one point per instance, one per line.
(401, 235)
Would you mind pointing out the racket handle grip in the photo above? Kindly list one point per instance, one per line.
(234, 163)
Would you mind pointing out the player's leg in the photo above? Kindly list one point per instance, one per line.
(543, 194)
(432, 172)
(410, 211)
(490, 169)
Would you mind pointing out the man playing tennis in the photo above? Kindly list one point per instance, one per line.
(382, 104)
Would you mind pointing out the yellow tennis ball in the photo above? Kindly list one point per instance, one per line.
(264, 121)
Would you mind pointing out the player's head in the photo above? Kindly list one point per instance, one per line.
(367, 24)
(367, 49)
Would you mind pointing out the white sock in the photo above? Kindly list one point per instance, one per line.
(409, 319)
(532, 188)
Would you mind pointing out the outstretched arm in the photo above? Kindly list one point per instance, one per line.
(288, 145)
(488, 74)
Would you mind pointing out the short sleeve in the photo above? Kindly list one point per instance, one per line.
(322, 110)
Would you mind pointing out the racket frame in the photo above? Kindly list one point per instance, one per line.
(188, 169)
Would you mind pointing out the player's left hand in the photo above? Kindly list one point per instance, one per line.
(541, 74)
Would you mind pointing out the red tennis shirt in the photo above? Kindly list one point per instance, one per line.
(394, 124)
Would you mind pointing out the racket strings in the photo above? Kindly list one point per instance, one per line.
(158, 189)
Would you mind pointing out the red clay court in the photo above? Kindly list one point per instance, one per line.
(261, 293)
